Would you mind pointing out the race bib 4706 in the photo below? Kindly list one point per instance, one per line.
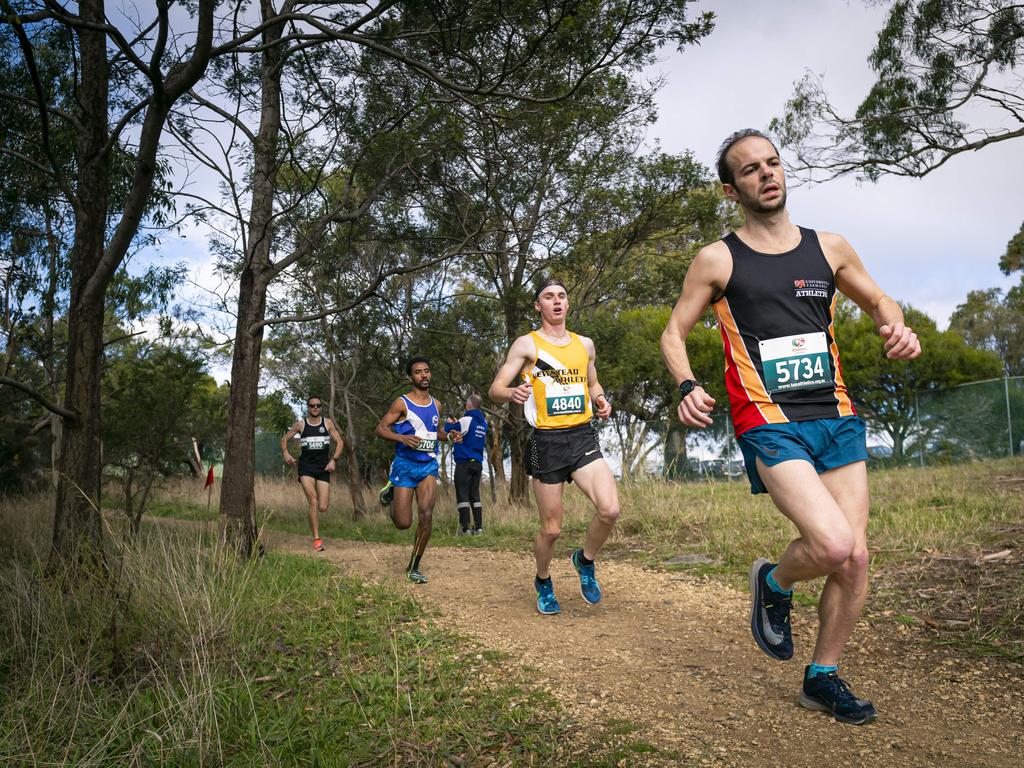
(795, 362)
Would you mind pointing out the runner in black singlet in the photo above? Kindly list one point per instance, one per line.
(773, 287)
(316, 461)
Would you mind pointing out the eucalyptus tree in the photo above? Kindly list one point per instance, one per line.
(131, 66)
(948, 83)
(313, 62)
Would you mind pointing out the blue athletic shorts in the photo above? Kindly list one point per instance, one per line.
(406, 473)
(824, 443)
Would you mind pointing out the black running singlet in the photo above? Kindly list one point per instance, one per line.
(316, 444)
(776, 317)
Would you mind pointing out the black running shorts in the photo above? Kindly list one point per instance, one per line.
(316, 471)
(554, 454)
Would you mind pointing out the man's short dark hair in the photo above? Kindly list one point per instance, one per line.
(547, 283)
(412, 362)
(314, 397)
(725, 174)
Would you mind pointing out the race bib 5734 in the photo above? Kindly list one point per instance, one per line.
(795, 362)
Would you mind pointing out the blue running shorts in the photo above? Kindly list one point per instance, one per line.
(824, 443)
(406, 473)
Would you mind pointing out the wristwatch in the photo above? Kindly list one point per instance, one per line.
(687, 386)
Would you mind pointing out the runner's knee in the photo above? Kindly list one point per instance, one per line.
(551, 530)
(832, 552)
(856, 566)
(608, 514)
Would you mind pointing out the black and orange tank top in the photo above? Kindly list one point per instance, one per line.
(776, 317)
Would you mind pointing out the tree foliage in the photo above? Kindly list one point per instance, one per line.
(947, 83)
(883, 390)
(994, 321)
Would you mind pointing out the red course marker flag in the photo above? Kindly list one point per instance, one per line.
(209, 478)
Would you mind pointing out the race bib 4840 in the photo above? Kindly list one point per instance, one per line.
(564, 399)
(795, 362)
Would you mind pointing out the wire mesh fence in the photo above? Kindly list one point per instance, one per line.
(979, 420)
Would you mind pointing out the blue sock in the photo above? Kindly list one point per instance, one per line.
(770, 578)
(814, 669)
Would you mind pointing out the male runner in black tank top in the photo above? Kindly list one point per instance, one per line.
(316, 462)
(773, 288)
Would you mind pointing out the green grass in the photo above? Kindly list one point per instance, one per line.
(277, 662)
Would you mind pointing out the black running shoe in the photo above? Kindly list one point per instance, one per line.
(828, 692)
(769, 614)
(386, 494)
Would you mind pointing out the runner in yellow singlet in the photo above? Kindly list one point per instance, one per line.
(551, 372)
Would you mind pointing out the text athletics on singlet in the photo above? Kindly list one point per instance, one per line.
(560, 394)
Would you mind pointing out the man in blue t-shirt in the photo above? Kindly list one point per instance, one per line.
(469, 462)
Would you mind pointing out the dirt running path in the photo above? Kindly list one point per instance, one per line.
(675, 656)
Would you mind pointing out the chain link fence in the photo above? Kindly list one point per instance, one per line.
(979, 420)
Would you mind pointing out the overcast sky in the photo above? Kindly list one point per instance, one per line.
(926, 241)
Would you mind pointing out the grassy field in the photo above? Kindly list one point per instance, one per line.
(192, 658)
(930, 530)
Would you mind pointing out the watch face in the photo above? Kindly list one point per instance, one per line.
(686, 387)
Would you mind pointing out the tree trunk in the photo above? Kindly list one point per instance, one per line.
(77, 525)
(49, 351)
(495, 449)
(516, 433)
(495, 458)
(237, 498)
(355, 479)
(675, 452)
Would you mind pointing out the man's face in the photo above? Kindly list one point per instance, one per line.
(553, 303)
(760, 182)
(420, 376)
(315, 407)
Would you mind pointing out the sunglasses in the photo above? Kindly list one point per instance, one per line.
(314, 405)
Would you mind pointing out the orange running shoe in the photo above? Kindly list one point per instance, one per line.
(318, 545)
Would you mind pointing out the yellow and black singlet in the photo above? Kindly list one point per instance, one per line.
(561, 392)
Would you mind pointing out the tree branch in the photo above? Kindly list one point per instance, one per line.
(38, 397)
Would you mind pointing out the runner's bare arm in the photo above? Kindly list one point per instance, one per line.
(383, 429)
(336, 437)
(705, 279)
(519, 354)
(597, 395)
(853, 280)
(451, 435)
(295, 429)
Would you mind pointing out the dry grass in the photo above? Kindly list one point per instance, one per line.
(934, 518)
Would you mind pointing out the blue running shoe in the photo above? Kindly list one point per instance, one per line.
(828, 692)
(769, 614)
(588, 582)
(546, 602)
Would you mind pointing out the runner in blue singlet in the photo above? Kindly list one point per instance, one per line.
(411, 423)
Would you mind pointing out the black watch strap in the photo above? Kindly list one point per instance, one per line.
(687, 386)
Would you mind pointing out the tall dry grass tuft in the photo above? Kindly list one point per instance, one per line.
(91, 666)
